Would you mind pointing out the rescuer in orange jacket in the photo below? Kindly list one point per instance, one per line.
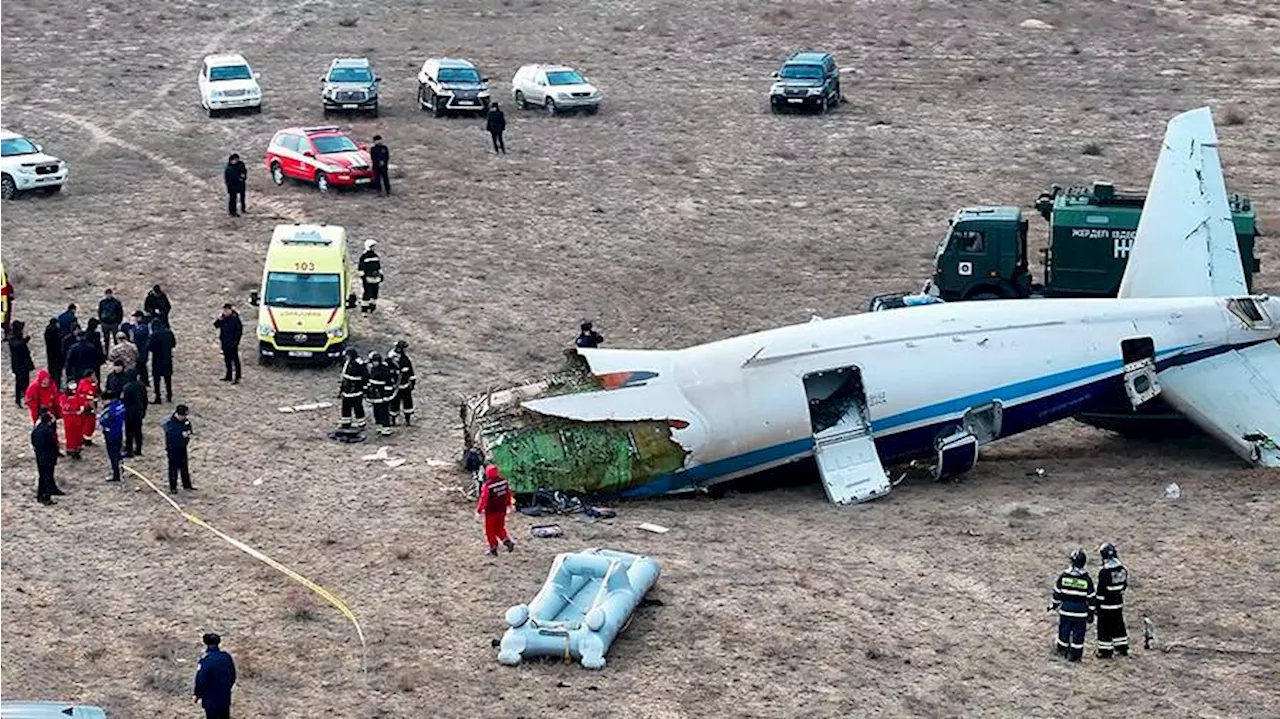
(496, 500)
(74, 408)
(42, 393)
(87, 389)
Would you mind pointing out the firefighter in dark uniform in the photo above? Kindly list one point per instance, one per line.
(381, 386)
(406, 381)
(370, 270)
(355, 377)
(393, 404)
(1073, 597)
(1113, 579)
(588, 337)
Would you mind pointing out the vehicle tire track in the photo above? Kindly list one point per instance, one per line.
(282, 209)
(214, 44)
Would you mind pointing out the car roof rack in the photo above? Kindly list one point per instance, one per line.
(322, 128)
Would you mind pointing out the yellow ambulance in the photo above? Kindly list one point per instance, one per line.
(305, 294)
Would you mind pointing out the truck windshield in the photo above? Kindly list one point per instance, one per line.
(350, 74)
(17, 146)
(297, 289)
(230, 72)
(801, 72)
(459, 75)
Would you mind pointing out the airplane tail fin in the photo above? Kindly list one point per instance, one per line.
(1185, 245)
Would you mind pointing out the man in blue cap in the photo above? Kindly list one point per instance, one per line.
(214, 679)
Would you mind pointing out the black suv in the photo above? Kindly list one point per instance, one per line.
(806, 80)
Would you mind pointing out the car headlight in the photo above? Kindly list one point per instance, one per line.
(483, 93)
(216, 94)
(815, 91)
(562, 96)
(266, 331)
(776, 89)
(333, 168)
(336, 332)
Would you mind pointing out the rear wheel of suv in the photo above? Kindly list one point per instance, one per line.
(520, 101)
(322, 181)
(7, 188)
(277, 173)
(549, 105)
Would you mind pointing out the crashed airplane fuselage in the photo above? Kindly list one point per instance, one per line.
(938, 381)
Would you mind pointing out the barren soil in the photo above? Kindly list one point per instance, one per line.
(683, 212)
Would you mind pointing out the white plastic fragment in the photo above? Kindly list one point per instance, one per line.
(655, 528)
(1173, 491)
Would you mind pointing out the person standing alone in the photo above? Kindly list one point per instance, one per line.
(177, 434)
(370, 270)
(110, 315)
(236, 176)
(230, 329)
(20, 361)
(44, 440)
(214, 679)
(380, 154)
(496, 124)
(496, 500)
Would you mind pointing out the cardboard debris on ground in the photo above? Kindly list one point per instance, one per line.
(393, 463)
(545, 531)
(438, 463)
(307, 407)
(655, 528)
(380, 454)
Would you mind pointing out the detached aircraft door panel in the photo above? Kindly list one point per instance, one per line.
(843, 445)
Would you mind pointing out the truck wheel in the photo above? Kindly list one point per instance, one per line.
(985, 296)
(322, 182)
(520, 101)
(7, 188)
(277, 173)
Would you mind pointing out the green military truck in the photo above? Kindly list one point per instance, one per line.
(984, 255)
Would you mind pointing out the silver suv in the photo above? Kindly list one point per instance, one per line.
(350, 85)
(447, 84)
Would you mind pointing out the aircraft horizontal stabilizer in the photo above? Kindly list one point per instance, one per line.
(1235, 397)
(1185, 245)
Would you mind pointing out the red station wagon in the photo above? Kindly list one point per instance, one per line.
(321, 155)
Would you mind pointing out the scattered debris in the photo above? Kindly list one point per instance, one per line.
(1034, 24)
(380, 454)
(546, 531)
(393, 463)
(1037, 472)
(655, 528)
(1148, 633)
(349, 436)
(257, 481)
(1173, 491)
(349, 21)
(308, 407)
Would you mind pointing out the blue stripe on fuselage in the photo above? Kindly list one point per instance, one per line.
(905, 444)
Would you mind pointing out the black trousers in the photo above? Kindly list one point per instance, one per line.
(142, 373)
(352, 407)
(231, 358)
(1112, 635)
(115, 445)
(109, 335)
(381, 179)
(168, 387)
(1071, 631)
(498, 144)
(231, 201)
(217, 714)
(178, 466)
(404, 401)
(55, 373)
(21, 380)
(369, 302)
(382, 413)
(133, 435)
(45, 484)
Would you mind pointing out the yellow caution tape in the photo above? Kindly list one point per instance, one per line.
(329, 596)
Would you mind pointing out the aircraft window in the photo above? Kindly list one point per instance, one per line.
(1249, 311)
(970, 241)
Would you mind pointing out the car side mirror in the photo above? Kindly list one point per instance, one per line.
(774, 73)
(363, 146)
(377, 79)
(257, 76)
(484, 79)
(39, 148)
(351, 301)
(254, 299)
(308, 153)
(323, 78)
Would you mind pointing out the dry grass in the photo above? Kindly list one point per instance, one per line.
(675, 216)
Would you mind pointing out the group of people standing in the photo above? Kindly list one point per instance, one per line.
(387, 383)
(116, 402)
(1077, 599)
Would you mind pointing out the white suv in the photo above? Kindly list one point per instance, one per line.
(228, 83)
(23, 166)
(555, 88)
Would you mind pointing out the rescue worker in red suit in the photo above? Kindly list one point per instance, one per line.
(496, 500)
(42, 393)
(88, 390)
(74, 413)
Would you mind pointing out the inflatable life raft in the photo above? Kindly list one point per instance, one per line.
(585, 602)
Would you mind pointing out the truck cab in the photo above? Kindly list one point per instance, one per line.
(983, 256)
(305, 294)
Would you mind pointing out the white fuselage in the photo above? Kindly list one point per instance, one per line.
(922, 369)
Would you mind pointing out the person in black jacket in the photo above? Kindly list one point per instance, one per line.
(236, 176)
(355, 377)
(177, 434)
(1113, 580)
(20, 361)
(230, 329)
(1074, 598)
(110, 314)
(142, 340)
(134, 397)
(588, 337)
(496, 124)
(405, 382)
(113, 387)
(53, 355)
(214, 679)
(369, 267)
(380, 388)
(82, 356)
(157, 304)
(160, 350)
(68, 322)
(44, 440)
(380, 154)
(93, 333)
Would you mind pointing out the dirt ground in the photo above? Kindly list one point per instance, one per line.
(683, 212)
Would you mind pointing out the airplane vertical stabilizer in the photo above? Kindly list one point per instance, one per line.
(1186, 244)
